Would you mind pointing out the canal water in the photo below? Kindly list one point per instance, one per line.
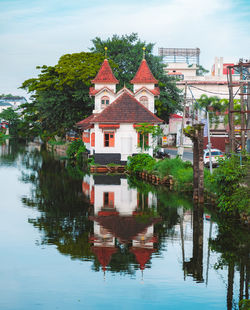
(70, 240)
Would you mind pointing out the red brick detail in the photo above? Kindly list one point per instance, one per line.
(109, 126)
(105, 75)
(144, 75)
(126, 109)
(137, 125)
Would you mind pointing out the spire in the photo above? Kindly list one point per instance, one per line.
(144, 48)
(144, 74)
(105, 74)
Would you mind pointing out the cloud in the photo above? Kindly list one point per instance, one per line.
(39, 34)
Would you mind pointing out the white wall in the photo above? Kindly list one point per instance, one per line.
(139, 86)
(151, 100)
(125, 141)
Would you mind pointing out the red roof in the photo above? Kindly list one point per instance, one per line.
(103, 254)
(126, 109)
(85, 124)
(105, 75)
(142, 255)
(155, 91)
(125, 228)
(175, 116)
(144, 75)
(93, 91)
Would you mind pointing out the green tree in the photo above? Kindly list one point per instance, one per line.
(126, 51)
(145, 129)
(10, 116)
(60, 94)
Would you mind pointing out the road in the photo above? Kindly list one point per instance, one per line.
(187, 155)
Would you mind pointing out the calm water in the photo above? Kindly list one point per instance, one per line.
(70, 240)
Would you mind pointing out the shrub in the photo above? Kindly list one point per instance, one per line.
(230, 182)
(75, 149)
(140, 162)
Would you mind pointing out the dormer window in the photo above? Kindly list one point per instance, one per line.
(144, 101)
(104, 102)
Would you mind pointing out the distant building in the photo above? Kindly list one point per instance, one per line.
(185, 71)
(4, 105)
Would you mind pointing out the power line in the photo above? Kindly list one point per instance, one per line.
(207, 91)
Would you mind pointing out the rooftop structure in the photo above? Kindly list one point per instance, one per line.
(186, 55)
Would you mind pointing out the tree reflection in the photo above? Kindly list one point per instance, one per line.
(67, 215)
(233, 242)
(194, 267)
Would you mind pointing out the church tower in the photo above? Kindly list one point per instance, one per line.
(144, 86)
(104, 90)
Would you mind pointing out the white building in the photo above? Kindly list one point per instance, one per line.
(110, 132)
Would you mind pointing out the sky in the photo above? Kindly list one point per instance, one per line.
(38, 32)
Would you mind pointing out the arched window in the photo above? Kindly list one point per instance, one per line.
(144, 101)
(104, 102)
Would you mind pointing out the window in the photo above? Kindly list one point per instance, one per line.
(109, 139)
(144, 101)
(108, 199)
(140, 139)
(104, 102)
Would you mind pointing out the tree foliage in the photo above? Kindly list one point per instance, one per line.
(127, 52)
(10, 116)
(231, 185)
(60, 93)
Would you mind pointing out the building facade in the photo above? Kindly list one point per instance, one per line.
(109, 133)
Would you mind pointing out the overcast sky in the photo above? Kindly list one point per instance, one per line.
(38, 32)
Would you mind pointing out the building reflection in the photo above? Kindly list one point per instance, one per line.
(121, 217)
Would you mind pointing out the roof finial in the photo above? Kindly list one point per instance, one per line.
(105, 52)
(144, 48)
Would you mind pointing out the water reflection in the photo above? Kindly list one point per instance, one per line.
(123, 220)
(122, 225)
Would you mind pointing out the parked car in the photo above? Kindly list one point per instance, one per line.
(161, 154)
(215, 155)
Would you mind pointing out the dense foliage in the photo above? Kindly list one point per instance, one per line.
(75, 149)
(127, 52)
(60, 94)
(13, 119)
(218, 107)
(181, 171)
(232, 188)
(140, 162)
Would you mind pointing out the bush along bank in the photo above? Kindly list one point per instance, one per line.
(230, 182)
(175, 173)
(228, 186)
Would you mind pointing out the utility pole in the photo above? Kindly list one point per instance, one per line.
(209, 144)
(180, 147)
(231, 114)
(248, 117)
(242, 110)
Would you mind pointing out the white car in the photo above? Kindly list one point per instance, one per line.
(215, 155)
